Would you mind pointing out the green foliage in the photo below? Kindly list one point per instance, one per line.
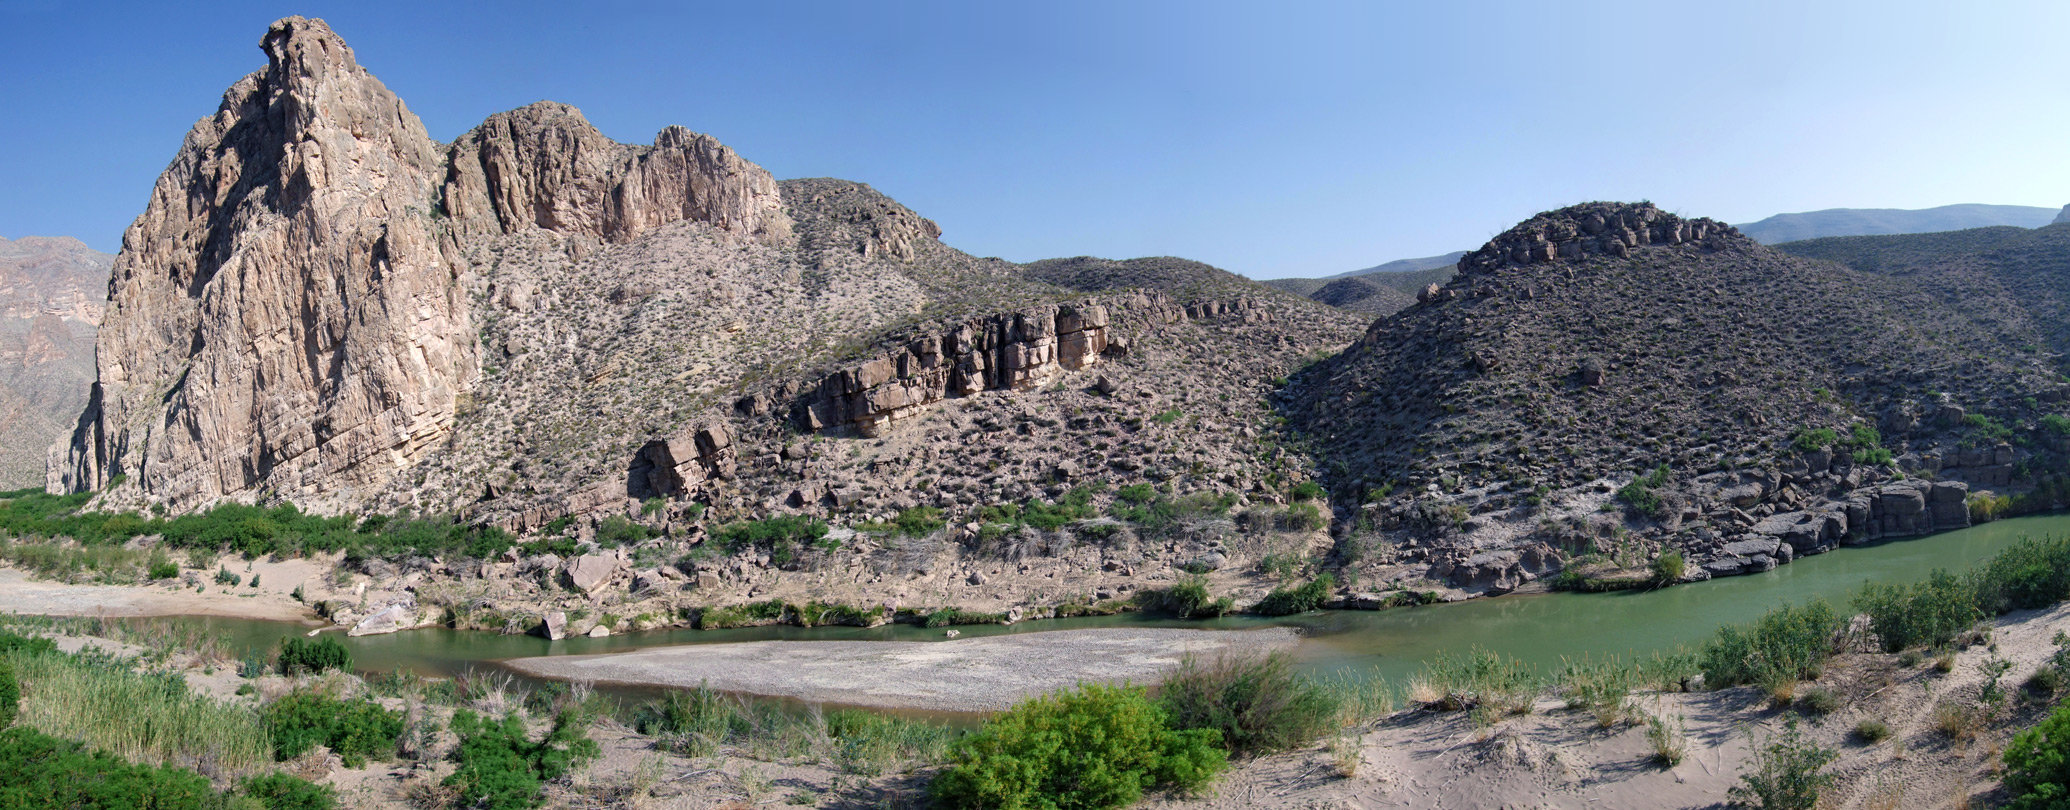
(1927, 614)
(2026, 575)
(253, 531)
(617, 531)
(919, 521)
(1308, 491)
(1786, 773)
(1480, 679)
(1668, 567)
(652, 505)
(302, 655)
(1283, 600)
(42, 771)
(2037, 764)
(1154, 512)
(280, 791)
(782, 536)
(1092, 747)
(1818, 702)
(1640, 495)
(353, 729)
(1167, 417)
(10, 694)
(1811, 440)
(1985, 430)
(1790, 642)
(1872, 731)
(719, 618)
(224, 577)
(1257, 703)
(1186, 599)
(2056, 423)
(1303, 517)
(501, 768)
(700, 722)
(162, 566)
(139, 716)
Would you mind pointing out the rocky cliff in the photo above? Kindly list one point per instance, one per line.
(52, 294)
(322, 305)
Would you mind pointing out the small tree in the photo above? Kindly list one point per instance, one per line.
(2037, 764)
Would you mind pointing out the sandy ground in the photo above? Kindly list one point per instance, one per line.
(966, 675)
(20, 594)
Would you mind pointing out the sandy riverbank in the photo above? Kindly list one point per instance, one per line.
(967, 675)
(19, 594)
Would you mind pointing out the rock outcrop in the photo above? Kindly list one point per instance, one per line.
(284, 315)
(1591, 229)
(2062, 216)
(544, 166)
(53, 292)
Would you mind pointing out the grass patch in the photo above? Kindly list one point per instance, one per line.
(1257, 703)
(141, 717)
(1186, 599)
(1284, 601)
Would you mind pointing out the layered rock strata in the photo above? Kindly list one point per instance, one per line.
(1591, 229)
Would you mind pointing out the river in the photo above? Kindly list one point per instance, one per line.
(1538, 628)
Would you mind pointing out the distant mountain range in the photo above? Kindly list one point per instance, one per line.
(1387, 287)
(1886, 221)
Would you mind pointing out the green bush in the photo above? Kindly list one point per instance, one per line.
(10, 694)
(300, 655)
(1308, 491)
(617, 531)
(1640, 495)
(161, 566)
(2026, 575)
(1303, 517)
(1285, 601)
(919, 521)
(1092, 747)
(500, 768)
(1786, 773)
(41, 771)
(353, 729)
(1187, 599)
(1921, 614)
(224, 577)
(1811, 440)
(1257, 703)
(1790, 642)
(280, 791)
(783, 536)
(1668, 567)
(2037, 764)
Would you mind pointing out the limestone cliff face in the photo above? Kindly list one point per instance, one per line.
(285, 314)
(52, 293)
(544, 166)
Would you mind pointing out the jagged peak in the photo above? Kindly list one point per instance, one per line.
(301, 43)
(1593, 229)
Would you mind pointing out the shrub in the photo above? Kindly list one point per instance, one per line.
(161, 566)
(2037, 764)
(1284, 601)
(353, 729)
(301, 655)
(1187, 599)
(1811, 440)
(1872, 731)
(38, 771)
(1303, 517)
(782, 536)
(1604, 688)
(500, 768)
(1639, 494)
(617, 531)
(1257, 703)
(1786, 773)
(1668, 567)
(919, 521)
(1092, 747)
(1928, 613)
(224, 577)
(1308, 491)
(1792, 641)
(280, 791)
(10, 694)
(1667, 742)
(1818, 702)
(2026, 575)
(1479, 679)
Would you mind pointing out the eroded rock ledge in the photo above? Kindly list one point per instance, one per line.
(1592, 229)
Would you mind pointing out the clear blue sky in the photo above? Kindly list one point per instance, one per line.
(1272, 139)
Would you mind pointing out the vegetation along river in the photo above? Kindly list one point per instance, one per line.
(1538, 628)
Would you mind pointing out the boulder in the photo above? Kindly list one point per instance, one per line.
(554, 626)
(398, 616)
(589, 573)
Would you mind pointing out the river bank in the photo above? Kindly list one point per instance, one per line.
(20, 594)
(964, 675)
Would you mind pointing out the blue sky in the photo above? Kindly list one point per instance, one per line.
(1272, 139)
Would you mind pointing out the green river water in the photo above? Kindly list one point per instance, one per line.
(1539, 628)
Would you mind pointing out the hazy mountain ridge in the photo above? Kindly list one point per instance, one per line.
(1882, 221)
(53, 292)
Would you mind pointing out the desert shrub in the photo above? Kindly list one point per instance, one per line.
(1667, 741)
(2028, 574)
(353, 729)
(1603, 688)
(1791, 641)
(1285, 600)
(2037, 764)
(1092, 747)
(280, 791)
(161, 566)
(1303, 517)
(617, 531)
(1668, 567)
(1308, 491)
(1813, 439)
(719, 618)
(1479, 679)
(1787, 773)
(1257, 703)
(1928, 613)
(1872, 731)
(1818, 702)
(1186, 599)
(41, 771)
(919, 521)
(224, 577)
(501, 768)
(301, 655)
(1640, 495)
(782, 536)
